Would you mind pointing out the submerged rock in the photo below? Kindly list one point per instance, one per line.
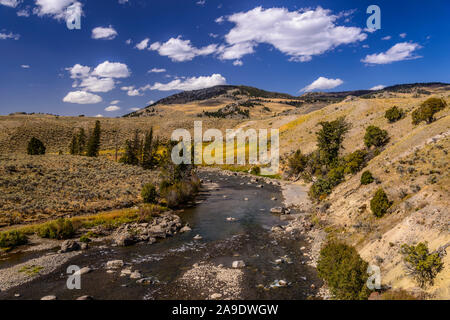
(114, 264)
(277, 210)
(186, 228)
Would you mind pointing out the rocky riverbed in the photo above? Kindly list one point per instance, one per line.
(240, 241)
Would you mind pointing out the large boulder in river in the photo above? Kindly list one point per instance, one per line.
(70, 245)
(123, 238)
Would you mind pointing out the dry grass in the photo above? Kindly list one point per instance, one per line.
(34, 188)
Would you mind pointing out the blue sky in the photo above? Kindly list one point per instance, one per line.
(105, 68)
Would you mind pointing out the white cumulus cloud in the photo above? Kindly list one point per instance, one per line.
(57, 9)
(78, 71)
(298, 34)
(143, 44)
(180, 50)
(6, 36)
(157, 70)
(112, 70)
(112, 108)
(10, 3)
(399, 52)
(132, 91)
(378, 87)
(82, 97)
(104, 33)
(95, 84)
(323, 83)
(187, 84)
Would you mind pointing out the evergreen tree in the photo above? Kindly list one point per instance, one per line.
(137, 147)
(93, 145)
(148, 156)
(329, 139)
(81, 141)
(35, 147)
(73, 147)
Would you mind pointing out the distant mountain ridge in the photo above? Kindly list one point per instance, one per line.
(252, 92)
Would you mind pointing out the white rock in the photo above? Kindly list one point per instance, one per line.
(198, 237)
(238, 264)
(136, 275)
(216, 296)
(114, 264)
(49, 298)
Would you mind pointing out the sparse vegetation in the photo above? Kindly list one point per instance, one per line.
(149, 193)
(427, 110)
(31, 270)
(59, 229)
(255, 170)
(367, 178)
(354, 161)
(344, 271)
(375, 137)
(394, 114)
(35, 147)
(42, 187)
(398, 294)
(297, 163)
(12, 239)
(380, 203)
(422, 265)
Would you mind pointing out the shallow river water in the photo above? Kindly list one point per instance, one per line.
(247, 238)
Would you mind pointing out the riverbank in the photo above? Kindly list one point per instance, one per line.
(230, 222)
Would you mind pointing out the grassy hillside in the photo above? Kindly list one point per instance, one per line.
(413, 170)
(34, 188)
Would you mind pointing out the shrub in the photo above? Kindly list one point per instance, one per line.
(35, 147)
(380, 203)
(336, 175)
(355, 161)
(255, 170)
(375, 137)
(394, 114)
(59, 229)
(12, 239)
(329, 139)
(367, 178)
(320, 189)
(297, 162)
(420, 264)
(344, 271)
(85, 238)
(149, 194)
(427, 110)
(179, 192)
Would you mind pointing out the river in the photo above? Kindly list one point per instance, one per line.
(248, 238)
